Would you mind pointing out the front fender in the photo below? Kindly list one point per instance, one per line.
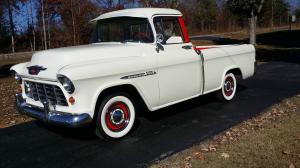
(88, 90)
(19, 68)
(119, 83)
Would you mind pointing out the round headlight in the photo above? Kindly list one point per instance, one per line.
(66, 83)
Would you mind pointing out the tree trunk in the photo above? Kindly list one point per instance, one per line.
(44, 26)
(252, 28)
(48, 25)
(28, 26)
(33, 27)
(73, 23)
(253, 21)
(42, 37)
(12, 26)
(272, 15)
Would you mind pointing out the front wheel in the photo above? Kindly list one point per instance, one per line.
(228, 87)
(116, 116)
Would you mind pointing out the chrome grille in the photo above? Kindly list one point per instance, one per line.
(45, 92)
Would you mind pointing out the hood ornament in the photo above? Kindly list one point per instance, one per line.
(35, 70)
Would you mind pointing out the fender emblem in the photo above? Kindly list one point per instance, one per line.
(35, 70)
(149, 73)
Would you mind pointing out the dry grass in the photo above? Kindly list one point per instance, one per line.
(269, 140)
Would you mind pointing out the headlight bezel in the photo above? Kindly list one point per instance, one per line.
(66, 83)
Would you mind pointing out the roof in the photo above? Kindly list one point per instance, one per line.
(139, 12)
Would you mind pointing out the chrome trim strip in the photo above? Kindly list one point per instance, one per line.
(45, 92)
(144, 74)
(37, 78)
(202, 69)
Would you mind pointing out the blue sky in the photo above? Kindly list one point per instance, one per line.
(21, 17)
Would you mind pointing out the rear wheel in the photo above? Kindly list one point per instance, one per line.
(229, 85)
(116, 116)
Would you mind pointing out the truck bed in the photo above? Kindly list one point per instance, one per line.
(217, 59)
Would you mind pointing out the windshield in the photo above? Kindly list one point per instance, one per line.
(124, 29)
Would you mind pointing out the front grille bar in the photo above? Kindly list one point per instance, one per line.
(45, 92)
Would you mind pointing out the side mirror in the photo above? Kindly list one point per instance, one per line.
(159, 39)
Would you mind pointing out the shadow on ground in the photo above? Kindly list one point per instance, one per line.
(279, 46)
(4, 70)
(5, 64)
(280, 39)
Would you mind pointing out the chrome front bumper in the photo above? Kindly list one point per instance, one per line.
(51, 117)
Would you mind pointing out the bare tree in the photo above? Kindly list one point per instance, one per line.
(44, 25)
(147, 3)
(171, 3)
(255, 10)
(29, 26)
(32, 24)
(48, 24)
(11, 24)
(131, 3)
(106, 3)
(73, 23)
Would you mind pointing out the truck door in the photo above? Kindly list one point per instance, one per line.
(179, 67)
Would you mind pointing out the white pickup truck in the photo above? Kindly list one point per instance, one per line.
(139, 56)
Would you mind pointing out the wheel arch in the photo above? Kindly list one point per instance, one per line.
(234, 69)
(132, 90)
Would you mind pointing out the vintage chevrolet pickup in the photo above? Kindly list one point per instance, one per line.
(138, 57)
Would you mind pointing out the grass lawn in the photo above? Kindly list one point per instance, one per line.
(269, 140)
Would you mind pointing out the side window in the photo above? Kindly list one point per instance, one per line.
(169, 27)
(140, 32)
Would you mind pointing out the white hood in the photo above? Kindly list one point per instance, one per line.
(55, 59)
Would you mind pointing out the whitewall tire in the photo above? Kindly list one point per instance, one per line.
(229, 86)
(116, 117)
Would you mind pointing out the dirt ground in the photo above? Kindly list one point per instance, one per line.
(8, 88)
(8, 114)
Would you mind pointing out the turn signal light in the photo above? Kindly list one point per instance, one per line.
(19, 89)
(71, 100)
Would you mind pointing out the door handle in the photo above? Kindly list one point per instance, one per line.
(187, 47)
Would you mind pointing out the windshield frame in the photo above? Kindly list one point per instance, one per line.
(97, 33)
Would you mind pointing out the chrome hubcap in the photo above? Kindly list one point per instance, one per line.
(229, 86)
(117, 117)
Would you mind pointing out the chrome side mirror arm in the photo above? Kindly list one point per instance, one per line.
(159, 40)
